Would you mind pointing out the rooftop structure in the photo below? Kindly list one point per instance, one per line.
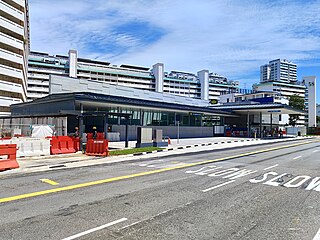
(200, 85)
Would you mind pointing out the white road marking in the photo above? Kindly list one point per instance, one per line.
(95, 229)
(271, 167)
(315, 150)
(297, 157)
(220, 185)
(317, 236)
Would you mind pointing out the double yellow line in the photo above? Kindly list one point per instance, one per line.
(108, 180)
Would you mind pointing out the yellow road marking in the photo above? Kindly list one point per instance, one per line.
(45, 180)
(87, 184)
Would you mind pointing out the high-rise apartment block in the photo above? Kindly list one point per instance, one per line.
(279, 70)
(14, 48)
(202, 85)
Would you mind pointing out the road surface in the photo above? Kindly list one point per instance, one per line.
(257, 192)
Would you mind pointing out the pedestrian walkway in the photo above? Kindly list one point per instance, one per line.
(185, 146)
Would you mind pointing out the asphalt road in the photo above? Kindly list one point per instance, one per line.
(243, 193)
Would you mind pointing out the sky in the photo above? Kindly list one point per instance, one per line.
(229, 37)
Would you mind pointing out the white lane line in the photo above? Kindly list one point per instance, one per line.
(271, 167)
(220, 185)
(95, 229)
(317, 236)
(296, 157)
(315, 150)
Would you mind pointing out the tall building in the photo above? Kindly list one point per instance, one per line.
(202, 85)
(14, 49)
(279, 70)
(280, 76)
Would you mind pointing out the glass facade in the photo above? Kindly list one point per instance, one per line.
(150, 117)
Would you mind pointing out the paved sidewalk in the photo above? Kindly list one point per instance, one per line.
(47, 163)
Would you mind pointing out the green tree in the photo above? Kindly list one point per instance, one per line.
(298, 103)
(318, 120)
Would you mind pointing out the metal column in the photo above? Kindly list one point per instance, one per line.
(105, 125)
(81, 130)
(261, 125)
(127, 134)
(248, 124)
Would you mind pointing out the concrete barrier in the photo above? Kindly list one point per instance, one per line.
(29, 147)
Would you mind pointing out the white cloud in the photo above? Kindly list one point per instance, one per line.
(232, 38)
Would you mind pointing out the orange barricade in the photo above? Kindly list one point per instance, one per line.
(100, 135)
(97, 147)
(55, 146)
(61, 145)
(11, 162)
(76, 143)
(89, 135)
(66, 144)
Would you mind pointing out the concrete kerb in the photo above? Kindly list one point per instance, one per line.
(128, 158)
(156, 151)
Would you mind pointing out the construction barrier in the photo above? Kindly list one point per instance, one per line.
(62, 145)
(76, 143)
(10, 151)
(29, 147)
(97, 147)
(113, 136)
(100, 135)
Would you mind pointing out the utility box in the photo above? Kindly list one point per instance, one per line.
(144, 137)
(157, 139)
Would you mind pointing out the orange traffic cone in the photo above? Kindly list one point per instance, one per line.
(169, 140)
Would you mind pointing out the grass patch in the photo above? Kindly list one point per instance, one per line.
(132, 150)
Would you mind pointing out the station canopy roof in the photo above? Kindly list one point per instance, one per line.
(260, 108)
(94, 100)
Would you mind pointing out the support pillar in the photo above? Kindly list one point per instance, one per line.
(261, 125)
(248, 124)
(271, 124)
(81, 130)
(105, 125)
(127, 134)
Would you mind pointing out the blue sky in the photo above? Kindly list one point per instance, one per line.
(229, 37)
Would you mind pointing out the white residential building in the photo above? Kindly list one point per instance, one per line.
(202, 85)
(280, 70)
(284, 89)
(14, 48)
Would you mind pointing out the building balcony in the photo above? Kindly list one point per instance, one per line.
(11, 11)
(20, 2)
(38, 76)
(11, 87)
(11, 72)
(34, 95)
(11, 26)
(12, 57)
(7, 101)
(33, 89)
(11, 41)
